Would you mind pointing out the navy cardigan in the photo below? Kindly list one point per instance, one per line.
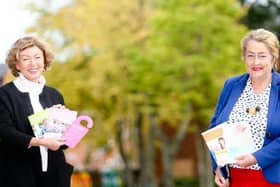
(20, 166)
(268, 156)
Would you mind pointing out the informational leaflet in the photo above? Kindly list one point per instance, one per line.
(229, 140)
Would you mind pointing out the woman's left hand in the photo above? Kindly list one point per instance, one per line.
(246, 160)
(60, 106)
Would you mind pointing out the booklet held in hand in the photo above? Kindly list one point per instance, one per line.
(57, 122)
(228, 140)
(77, 131)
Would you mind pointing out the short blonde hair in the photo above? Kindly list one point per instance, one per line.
(266, 37)
(23, 43)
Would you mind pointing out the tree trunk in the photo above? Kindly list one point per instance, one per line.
(169, 150)
(205, 175)
(127, 173)
(167, 159)
(148, 172)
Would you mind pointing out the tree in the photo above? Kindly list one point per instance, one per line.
(262, 14)
(192, 48)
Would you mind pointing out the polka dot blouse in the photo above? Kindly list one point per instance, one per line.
(258, 121)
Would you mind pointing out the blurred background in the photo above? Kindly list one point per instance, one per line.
(148, 72)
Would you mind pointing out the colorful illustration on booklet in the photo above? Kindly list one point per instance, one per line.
(52, 122)
(222, 143)
(52, 126)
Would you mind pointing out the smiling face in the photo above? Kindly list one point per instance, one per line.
(259, 60)
(31, 63)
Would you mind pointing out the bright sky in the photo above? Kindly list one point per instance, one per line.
(14, 19)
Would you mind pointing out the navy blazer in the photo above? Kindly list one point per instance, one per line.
(19, 165)
(268, 156)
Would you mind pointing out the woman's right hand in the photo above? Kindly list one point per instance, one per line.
(53, 143)
(220, 180)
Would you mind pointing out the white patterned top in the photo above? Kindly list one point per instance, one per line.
(258, 122)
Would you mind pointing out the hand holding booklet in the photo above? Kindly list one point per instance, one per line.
(229, 140)
(57, 122)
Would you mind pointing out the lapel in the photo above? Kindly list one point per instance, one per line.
(235, 92)
(273, 99)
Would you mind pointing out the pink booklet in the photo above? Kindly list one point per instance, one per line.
(77, 131)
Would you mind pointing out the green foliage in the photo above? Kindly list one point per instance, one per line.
(193, 46)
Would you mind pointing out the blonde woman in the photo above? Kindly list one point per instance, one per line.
(253, 97)
(26, 160)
